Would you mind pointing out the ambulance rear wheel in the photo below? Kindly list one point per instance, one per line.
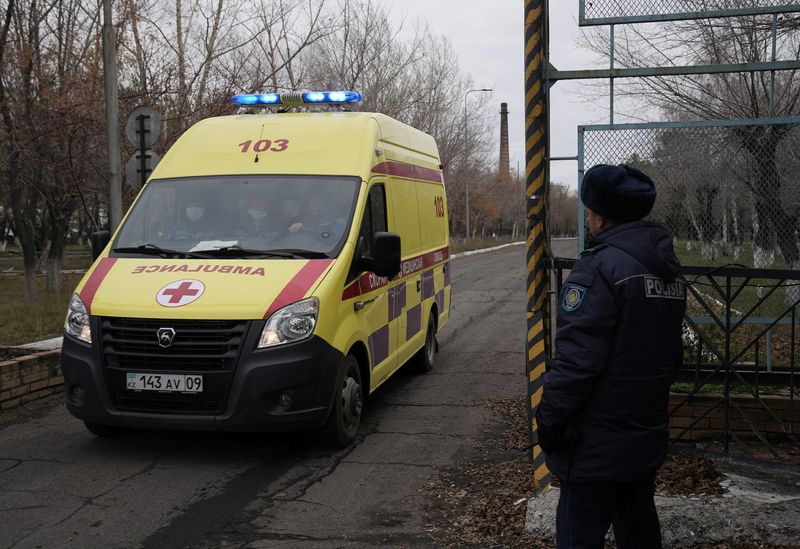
(100, 430)
(348, 404)
(426, 357)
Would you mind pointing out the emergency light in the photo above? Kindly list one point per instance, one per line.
(293, 99)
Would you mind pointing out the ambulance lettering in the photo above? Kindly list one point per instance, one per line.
(223, 269)
(264, 145)
(376, 281)
(411, 266)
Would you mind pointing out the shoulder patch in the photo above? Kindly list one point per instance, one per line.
(573, 296)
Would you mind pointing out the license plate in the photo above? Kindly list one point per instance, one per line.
(165, 383)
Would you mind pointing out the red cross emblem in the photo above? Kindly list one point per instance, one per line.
(180, 293)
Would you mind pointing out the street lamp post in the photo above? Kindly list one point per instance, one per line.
(466, 159)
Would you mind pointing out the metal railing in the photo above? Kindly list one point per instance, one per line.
(611, 12)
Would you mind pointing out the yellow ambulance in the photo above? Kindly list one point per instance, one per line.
(276, 269)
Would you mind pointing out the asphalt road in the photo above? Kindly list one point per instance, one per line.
(62, 487)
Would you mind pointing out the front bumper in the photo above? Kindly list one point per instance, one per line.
(305, 371)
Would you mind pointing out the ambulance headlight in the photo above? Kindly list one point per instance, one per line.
(294, 322)
(77, 321)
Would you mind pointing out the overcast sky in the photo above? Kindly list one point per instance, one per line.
(489, 39)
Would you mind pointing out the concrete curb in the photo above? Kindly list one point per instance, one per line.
(486, 250)
(44, 345)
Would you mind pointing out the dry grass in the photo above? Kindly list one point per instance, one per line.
(25, 321)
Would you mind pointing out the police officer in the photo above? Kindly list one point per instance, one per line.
(603, 417)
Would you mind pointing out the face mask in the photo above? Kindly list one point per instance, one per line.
(257, 215)
(194, 213)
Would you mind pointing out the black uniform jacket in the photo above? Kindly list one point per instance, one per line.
(603, 414)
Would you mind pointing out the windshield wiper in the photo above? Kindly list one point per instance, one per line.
(152, 249)
(238, 251)
(301, 254)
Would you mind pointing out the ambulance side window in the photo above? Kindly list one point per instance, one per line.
(374, 221)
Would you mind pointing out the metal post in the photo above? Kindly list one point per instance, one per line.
(611, 80)
(466, 162)
(112, 119)
(772, 75)
(536, 190)
(581, 210)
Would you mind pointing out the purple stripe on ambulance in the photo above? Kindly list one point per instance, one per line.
(446, 269)
(379, 345)
(427, 284)
(413, 321)
(440, 300)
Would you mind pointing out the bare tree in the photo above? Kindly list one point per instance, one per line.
(563, 210)
(20, 33)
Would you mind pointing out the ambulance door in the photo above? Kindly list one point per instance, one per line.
(432, 209)
(407, 292)
(375, 306)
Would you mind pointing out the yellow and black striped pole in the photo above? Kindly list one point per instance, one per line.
(536, 194)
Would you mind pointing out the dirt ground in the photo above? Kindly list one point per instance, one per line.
(484, 502)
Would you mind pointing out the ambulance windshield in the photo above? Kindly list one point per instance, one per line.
(305, 216)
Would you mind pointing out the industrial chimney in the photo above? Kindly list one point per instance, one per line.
(504, 160)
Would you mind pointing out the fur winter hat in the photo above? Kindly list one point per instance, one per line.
(621, 193)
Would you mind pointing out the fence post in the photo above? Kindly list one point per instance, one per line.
(536, 194)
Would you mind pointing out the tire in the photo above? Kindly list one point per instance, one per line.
(425, 358)
(100, 430)
(348, 404)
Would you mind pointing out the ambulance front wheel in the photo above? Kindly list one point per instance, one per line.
(348, 404)
(426, 356)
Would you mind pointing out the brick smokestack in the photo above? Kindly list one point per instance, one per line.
(504, 160)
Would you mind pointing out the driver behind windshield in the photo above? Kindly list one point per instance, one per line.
(258, 221)
(194, 224)
(319, 217)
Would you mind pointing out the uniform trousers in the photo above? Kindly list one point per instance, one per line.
(587, 509)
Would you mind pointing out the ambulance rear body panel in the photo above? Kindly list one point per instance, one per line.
(214, 310)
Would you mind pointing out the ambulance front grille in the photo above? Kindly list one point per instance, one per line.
(207, 347)
(196, 345)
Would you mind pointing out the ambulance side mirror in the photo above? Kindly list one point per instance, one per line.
(385, 260)
(99, 241)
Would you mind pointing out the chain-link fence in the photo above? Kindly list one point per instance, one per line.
(601, 9)
(728, 194)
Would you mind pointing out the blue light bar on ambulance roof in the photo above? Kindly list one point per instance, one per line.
(298, 99)
(257, 99)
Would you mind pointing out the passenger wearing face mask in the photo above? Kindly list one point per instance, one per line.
(194, 224)
(258, 221)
